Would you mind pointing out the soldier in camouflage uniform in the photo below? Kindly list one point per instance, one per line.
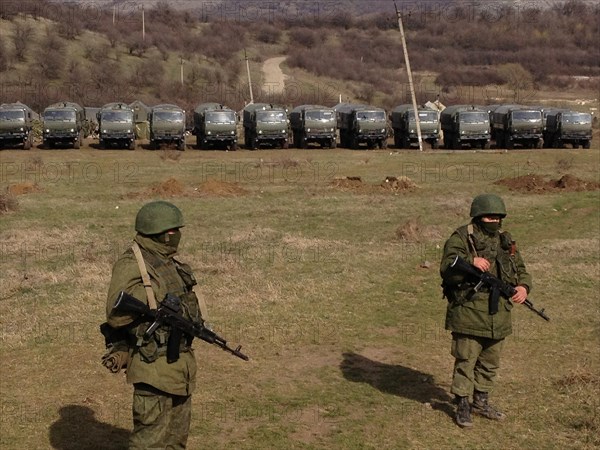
(477, 335)
(162, 390)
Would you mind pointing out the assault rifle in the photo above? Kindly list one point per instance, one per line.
(497, 286)
(169, 313)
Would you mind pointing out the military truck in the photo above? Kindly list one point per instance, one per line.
(116, 126)
(517, 124)
(361, 124)
(63, 125)
(215, 126)
(405, 126)
(567, 127)
(16, 125)
(465, 124)
(167, 126)
(313, 123)
(265, 123)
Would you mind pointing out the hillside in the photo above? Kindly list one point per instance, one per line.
(54, 51)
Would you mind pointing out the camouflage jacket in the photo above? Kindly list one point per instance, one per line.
(148, 362)
(467, 310)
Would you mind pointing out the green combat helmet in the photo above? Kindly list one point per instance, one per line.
(487, 205)
(158, 217)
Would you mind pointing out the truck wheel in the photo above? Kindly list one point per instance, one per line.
(539, 143)
(510, 144)
(405, 142)
(77, 143)
(332, 143)
(181, 145)
(586, 144)
(435, 144)
(285, 144)
(485, 145)
(27, 144)
(132, 145)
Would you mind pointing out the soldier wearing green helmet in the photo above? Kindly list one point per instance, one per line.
(477, 333)
(148, 271)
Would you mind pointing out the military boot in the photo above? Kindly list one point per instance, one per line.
(463, 412)
(482, 407)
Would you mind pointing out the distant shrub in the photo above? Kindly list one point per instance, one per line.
(304, 37)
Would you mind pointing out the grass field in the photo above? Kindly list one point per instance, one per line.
(331, 286)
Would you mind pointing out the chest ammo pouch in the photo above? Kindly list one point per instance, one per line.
(164, 340)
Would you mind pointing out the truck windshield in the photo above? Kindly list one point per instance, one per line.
(13, 116)
(324, 116)
(117, 116)
(222, 117)
(59, 115)
(270, 116)
(169, 116)
(577, 118)
(528, 116)
(373, 116)
(474, 117)
(424, 116)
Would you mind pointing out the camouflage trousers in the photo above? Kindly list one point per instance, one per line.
(477, 360)
(160, 420)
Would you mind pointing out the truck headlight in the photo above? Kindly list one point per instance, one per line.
(462, 132)
(259, 131)
(283, 131)
(308, 130)
(412, 131)
(383, 130)
(47, 130)
(129, 131)
(72, 130)
(104, 131)
(209, 132)
(332, 130)
(232, 132)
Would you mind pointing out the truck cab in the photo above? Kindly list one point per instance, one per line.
(116, 127)
(167, 126)
(313, 124)
(62, 125)
(15, 125)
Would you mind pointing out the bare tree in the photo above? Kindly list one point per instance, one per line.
(4, 56)
(21, 38)
(518, 79)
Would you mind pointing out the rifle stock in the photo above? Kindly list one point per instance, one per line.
(168, 314)
(495, 284)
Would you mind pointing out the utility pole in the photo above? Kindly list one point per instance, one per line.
(181, 72)
(114, 14)
(249, 79)
(410, 80)
(143, 24)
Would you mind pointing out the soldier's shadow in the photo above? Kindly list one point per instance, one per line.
(397, 380)
(77, 429)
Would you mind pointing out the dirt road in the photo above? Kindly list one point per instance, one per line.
(274, 78)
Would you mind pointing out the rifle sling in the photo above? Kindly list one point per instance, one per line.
(145, 277)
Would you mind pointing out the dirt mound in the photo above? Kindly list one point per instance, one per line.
(23, 188)
(171, 187)
(389, 185)
(347, 183)
(220, 188)
(415, 231)
(168, 188)
(397, 184)
(538, 184)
